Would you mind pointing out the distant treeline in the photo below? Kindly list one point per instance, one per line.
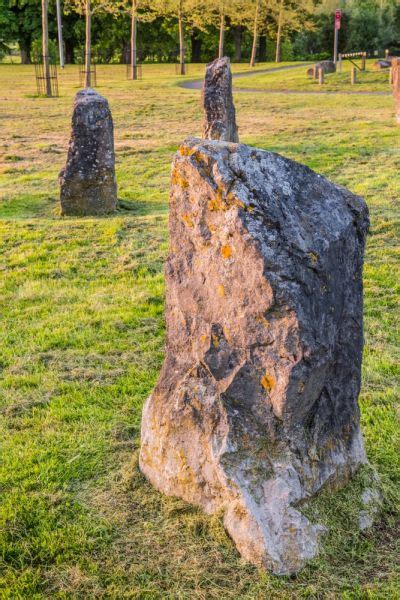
(286, 29)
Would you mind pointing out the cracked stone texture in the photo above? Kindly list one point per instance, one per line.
(256, 406)
(219, 110)
(396, 86)
(88, 184)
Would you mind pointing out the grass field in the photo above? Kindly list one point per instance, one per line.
(369, 80)
(82, 342)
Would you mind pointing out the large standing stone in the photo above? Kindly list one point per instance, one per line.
(219, 110)
(256, 406)
(88, 184)
(396, 86)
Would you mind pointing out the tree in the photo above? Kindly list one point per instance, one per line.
(291, 15)
(20, 21)
(89, 8)
(45, 46)
(186, 12)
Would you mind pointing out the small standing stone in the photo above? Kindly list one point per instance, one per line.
(219, 110)
(88, 184)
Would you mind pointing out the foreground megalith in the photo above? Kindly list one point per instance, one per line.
(219, 110)
(87, 183)
(256, 406)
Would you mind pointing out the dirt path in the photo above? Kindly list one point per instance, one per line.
(198, 84)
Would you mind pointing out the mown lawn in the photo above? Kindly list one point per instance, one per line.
(82, 333)
(369, 80)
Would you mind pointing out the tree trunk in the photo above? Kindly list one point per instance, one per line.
(88, 45)
(262, 49)
(237, 37)
(181, 41)
(134, 74)
(45, 47)
(255, 36)
(221, 35)
(279, 37)
(196, 44)
(69, 51)
(25, 50)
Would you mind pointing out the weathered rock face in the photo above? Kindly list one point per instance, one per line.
(328, 66)
(396, 85)
(88, 184)
(256, 406)
(219, 110)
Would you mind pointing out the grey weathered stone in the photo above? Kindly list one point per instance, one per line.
(88, 184)
(256, 407)
(219, 110)
(328, 66)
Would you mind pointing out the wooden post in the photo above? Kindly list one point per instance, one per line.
(45, 47)
(321, 75)
(391, 76)
(134, 40)
(340, 63)
(88, 44)
(353, 76)
(363, 61)
(315, 72)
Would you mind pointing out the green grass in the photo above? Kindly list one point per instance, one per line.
(369, 80)
(82, 336)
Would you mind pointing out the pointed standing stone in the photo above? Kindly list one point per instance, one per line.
(256, 407)
(88, 184)
(219, 110)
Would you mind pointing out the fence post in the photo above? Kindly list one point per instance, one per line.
(363, 61)
(340, 63)
(321, 75)
(391, 76)
(353, 76)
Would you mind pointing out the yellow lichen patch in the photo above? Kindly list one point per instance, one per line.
(215, 340)
(313, 257)
(187, 220)
(262, 320)
(268, 382)
(212, 228)
(203, 339)
(186, 151)
(177, 179)
(226, 251)
(221, 291)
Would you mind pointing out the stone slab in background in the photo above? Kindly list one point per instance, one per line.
(256, 407)
(87, 183)
(328, 66)
(219, 110)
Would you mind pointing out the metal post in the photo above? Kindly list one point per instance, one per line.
(60, 35)
(335, 48)
(363, 62)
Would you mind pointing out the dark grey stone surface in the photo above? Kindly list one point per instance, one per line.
(256, 408)
(219, 110)
(87, 183)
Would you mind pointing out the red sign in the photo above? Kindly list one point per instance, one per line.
(338, 19)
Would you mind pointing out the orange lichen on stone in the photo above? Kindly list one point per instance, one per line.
(187, 220)
(268, 382)
(177, 179)
(186, 151)
(221, 291)
(226, 251)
